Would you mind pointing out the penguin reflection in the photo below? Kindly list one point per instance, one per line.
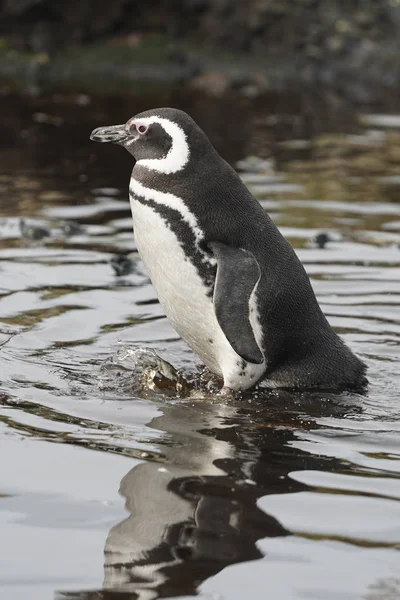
(181, 531)
(184, 514)
(196, 515)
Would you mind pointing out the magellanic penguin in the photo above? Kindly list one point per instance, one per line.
(230, 283)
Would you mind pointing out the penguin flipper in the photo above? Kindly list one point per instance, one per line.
(237, 276)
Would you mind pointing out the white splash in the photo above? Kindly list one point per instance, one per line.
(177, 156)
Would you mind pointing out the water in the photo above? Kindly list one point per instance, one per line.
(107, 492)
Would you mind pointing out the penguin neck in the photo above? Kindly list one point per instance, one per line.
(192, 176)
(166, 191)
(155, 181)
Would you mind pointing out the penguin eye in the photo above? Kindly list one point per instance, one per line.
(140, 128)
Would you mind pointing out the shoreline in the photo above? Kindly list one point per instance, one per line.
(118, 69)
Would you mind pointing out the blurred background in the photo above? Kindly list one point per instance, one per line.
(349, 46)
(302, 98)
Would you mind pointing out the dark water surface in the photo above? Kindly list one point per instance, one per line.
(108, 495)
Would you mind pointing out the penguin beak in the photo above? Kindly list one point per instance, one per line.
(116, 134)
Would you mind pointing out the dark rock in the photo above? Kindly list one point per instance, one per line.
(33, 232)
(122, 265)
(321, 239)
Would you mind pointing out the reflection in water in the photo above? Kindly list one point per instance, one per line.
(198, 514)
(193, 512)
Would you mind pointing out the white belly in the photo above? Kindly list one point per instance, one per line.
(183, 295)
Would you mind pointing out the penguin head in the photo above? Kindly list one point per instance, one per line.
(162, 139)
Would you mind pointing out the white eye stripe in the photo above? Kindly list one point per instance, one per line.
(177, 156)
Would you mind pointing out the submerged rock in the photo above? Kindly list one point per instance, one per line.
(32, 232)
(321, 239)
(122, 265)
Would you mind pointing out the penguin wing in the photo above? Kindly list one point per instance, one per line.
(238, 274)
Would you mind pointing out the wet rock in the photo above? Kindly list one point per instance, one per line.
(33, 232)
(321, 239)
(122, 265)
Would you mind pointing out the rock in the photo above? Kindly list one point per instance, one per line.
(122, 265)
(33, 232)
(321, 239)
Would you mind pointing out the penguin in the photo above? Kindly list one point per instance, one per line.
(230, 283)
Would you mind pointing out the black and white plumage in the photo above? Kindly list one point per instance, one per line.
(230, 283)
